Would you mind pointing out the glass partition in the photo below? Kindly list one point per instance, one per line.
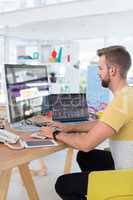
(2, 97)
(22, 51)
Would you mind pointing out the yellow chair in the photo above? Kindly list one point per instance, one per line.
(110, 185)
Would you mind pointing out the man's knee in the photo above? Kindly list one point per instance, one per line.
(60, 185)
(81, 156)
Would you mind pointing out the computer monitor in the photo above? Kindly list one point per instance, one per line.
(27, 87)
(69, 107)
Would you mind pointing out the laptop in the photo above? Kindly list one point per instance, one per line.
(69, 107)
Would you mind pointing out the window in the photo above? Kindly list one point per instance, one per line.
(10, 5)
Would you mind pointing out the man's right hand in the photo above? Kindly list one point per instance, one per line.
(58, 125)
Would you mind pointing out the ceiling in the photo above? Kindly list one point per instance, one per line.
(13, 5)
(74, 20)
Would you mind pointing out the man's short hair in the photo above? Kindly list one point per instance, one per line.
(117, 55)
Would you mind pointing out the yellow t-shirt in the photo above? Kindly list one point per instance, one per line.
(119, 114)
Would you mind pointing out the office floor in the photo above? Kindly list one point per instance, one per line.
(44, 184)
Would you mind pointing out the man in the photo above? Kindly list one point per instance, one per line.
(116, 124)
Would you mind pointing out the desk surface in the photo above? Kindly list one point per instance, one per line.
(11, 158)
(20, 158)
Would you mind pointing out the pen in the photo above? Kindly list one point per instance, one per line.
(39, 137)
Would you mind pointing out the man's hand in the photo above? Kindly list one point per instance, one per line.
(47, 132)
(58, 125)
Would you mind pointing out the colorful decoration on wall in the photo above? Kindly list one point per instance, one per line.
(59, 55)
(56, 56)
(34, 56)
(53, 56)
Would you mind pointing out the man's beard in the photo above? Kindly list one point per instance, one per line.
(105, 83)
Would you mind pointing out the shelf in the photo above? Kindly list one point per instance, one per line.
(56, 63)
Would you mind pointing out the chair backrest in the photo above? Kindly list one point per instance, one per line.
(121, 198)
(110, 185)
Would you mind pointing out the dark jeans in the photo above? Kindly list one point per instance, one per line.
(74, 186)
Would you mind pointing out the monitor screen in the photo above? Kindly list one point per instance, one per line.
(27, 87)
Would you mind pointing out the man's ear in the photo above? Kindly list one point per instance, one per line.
(113, 70)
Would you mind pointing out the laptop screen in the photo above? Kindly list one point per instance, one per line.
(69, 107)
(27, 86)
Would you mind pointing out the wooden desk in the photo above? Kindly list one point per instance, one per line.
(20, 158)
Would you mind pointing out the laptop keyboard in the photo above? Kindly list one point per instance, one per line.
(23, 126)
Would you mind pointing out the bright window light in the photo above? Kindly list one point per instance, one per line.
(12, 5)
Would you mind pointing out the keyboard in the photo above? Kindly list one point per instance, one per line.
(22, 126)
(39, 120)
